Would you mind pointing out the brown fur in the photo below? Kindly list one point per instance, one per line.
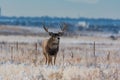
(51, 46)
(48, 51)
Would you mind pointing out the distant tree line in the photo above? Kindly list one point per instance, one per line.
(102, 25)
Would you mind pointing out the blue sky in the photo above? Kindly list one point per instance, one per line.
(62, 8)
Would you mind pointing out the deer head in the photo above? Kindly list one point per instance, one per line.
(55, 37)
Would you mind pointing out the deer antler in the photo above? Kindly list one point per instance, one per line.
(46, 29)
(64, 27)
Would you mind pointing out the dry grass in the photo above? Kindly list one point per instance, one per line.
(22, 59)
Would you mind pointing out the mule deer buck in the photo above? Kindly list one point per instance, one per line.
(51, 46)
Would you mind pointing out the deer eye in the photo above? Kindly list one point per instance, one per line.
(54, 35)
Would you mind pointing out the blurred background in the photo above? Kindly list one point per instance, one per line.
(83, 17)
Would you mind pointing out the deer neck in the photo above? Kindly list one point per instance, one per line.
(52, 44)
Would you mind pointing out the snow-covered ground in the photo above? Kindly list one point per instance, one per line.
(75, 61)
(11, 71)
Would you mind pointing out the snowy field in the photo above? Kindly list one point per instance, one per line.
(79, 58)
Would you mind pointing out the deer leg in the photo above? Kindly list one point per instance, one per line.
(51, 60)
(45, 58)
(55, 59)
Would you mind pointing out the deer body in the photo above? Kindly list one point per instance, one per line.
(50, 50)
(51, 46)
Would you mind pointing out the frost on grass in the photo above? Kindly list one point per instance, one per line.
(11, 71)
(75, 60)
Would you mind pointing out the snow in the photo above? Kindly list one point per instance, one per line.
(81, 67)
(11, 71)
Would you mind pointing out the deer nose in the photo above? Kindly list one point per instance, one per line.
(58, 38)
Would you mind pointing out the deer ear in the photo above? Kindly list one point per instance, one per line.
(50, 33)
(60, 33)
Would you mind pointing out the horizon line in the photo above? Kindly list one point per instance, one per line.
(62, 17)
